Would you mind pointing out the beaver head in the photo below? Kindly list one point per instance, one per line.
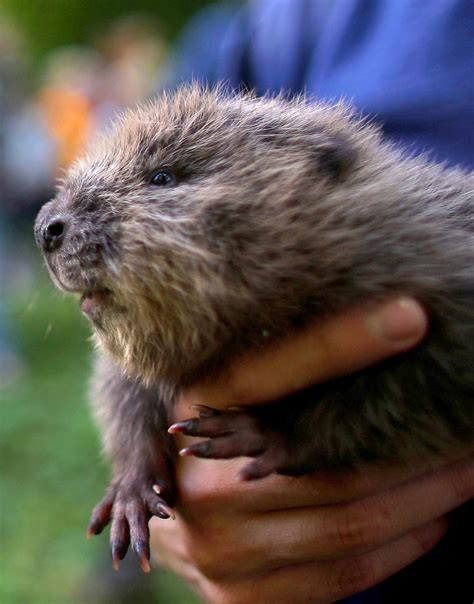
(186, 226)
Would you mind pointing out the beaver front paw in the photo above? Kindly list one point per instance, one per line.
(129, 503)
(239, 433)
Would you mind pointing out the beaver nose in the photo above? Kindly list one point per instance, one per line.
(53, 234)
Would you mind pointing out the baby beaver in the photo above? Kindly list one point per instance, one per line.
(205, 225)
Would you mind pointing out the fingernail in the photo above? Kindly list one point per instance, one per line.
(399, 321)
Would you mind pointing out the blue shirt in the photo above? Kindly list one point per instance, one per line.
(409, 64)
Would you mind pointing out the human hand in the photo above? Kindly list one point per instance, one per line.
(321, 537)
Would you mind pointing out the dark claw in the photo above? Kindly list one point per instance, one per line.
(157, 506)
(163, 511)
(199, 450)
(161, 514)
(163, 490)
(143, 552)
(95, 528)
(249, 474)
(204, 426)
(102, 513)
(130, 504)
(207, 426)
(236, 433)
(189, 427)
(205, 411)
(118, 553)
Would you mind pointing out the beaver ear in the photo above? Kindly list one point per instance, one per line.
(334, 157)
(331, 154)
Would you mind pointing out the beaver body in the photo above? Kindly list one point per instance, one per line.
(203, 226)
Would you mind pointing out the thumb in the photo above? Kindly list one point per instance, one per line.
(319, 352)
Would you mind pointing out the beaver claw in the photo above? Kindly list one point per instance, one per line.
(129, 506)
(236, 433)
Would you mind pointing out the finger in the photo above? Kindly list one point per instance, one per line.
(318, 532)
(169, 550)
(320, 352)
(332, 580)
(212, 486)
(336, 531)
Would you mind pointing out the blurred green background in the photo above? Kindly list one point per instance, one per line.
(48, 24)
(51, 469)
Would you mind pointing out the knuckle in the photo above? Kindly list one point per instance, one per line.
(360, 527)
(351, 576)
(350, 528)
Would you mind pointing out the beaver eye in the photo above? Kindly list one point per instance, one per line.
(163, 179)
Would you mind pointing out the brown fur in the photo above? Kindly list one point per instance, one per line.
(282, 212)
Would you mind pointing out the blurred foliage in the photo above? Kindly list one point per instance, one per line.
(51, 471)
(51, 23)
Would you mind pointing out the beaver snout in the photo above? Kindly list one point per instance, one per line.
(72, 245)
(53, 234)
(50, 228)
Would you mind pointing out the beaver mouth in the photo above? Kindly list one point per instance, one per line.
(92, 301)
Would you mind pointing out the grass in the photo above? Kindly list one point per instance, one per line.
(51, 469)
